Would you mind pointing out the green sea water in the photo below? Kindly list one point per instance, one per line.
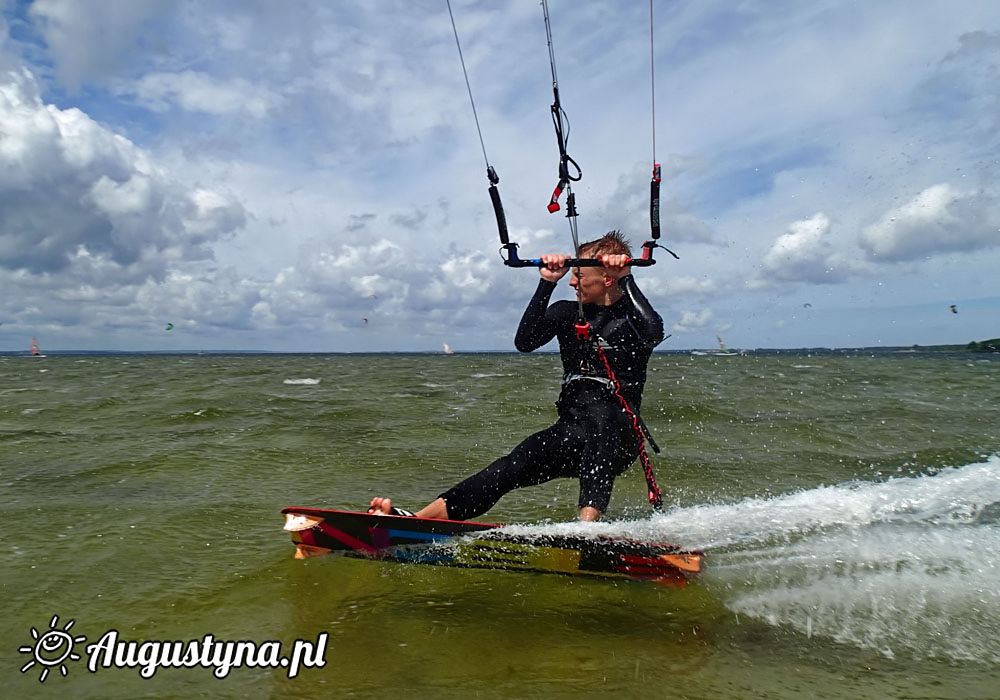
(849, 507)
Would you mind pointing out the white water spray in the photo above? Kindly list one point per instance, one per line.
(910, 565)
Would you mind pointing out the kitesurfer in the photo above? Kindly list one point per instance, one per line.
(593, 440)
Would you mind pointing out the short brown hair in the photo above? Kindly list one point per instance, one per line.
(611, 243)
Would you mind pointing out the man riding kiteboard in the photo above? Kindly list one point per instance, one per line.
(597, 434)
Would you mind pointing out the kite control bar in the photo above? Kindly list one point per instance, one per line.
(513, 261)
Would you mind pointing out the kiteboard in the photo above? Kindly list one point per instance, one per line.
(470, 544)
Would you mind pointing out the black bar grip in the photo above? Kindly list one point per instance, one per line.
(654, 208)
(498, 210)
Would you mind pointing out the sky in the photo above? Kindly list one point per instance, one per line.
(308, 176)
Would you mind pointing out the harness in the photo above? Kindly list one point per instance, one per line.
(572, 377)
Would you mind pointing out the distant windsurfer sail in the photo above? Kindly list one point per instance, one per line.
(446, 349)
(35, 350)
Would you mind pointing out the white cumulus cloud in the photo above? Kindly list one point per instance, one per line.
(805, 254)
(940, 219)
(92, 229)
(693, 321)
(67, 183)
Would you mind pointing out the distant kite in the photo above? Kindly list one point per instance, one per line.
(807, 305)
(954, 309)
(365, 319)
(169, 327)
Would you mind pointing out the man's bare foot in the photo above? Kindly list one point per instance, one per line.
(380, 506)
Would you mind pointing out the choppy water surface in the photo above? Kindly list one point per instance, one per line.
(850, 508)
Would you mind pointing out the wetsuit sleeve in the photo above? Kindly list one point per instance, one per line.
(538, 325)
(644, 317)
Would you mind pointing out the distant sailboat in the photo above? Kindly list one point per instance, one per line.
(723, 351)
(446, 349)
(35, 350)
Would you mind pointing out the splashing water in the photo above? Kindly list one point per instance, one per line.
(909, 565)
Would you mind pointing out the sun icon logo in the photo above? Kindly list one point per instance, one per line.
(52, 648)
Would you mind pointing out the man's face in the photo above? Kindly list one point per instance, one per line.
(590, 283)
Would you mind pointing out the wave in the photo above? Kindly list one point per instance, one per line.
(904, 566)
(307, 381)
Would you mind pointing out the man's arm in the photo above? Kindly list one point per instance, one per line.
(644, 317)
(537, 326)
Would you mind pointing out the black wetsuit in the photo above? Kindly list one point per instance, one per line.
(593, 440)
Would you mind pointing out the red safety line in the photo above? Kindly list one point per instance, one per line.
(655, 497)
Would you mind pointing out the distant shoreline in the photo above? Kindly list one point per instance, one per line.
(976, 347)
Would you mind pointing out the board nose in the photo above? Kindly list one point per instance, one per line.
(296, 522)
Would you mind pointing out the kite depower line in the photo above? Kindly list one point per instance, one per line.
(569, 170)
